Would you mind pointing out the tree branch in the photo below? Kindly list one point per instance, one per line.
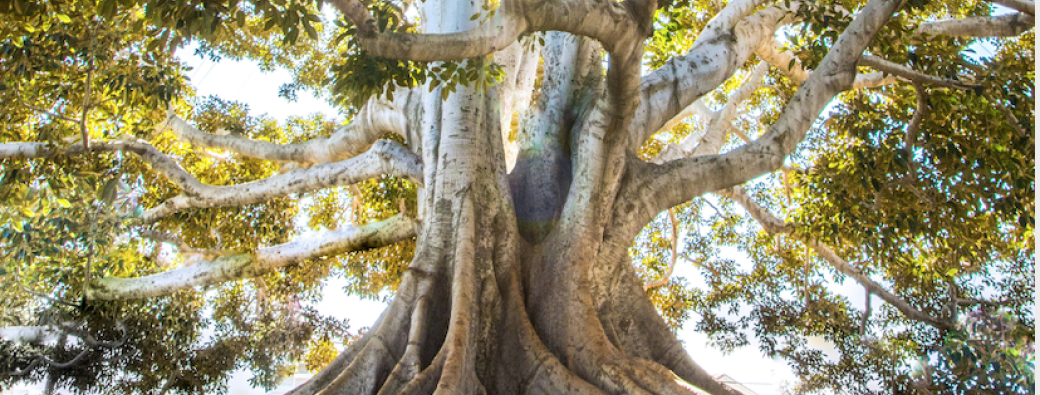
(910, 74)
(86, 98)
(165, 237)
(48, 113)
(376, 118)
(711, 140)
(791, 66)
(610, 23)
(836, 74)
(1011, 118)
(263, 260)
(88, 340)
(157, 159)
(649, 189)
(1024, 6)
(980, 26)
(29, 334)
(774, 225)
(725, 44)
(384, 157)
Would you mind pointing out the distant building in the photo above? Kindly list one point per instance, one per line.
(725, 379)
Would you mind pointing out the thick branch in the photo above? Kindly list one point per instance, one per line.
(836, 74)
(774, 225)
(610, 23)
(792, 67)
(29, 334)
(724, 45)
(503, 29)
(263, 260)
(385, 157)
(27, 150)
(650, 189)
(1024, 6)
(158, 160)
(711, 140)
(375, 119)
(980, 26)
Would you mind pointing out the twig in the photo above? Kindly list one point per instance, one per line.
(48, 113)
(703, 265)
(86, 94)
(910, 74)
(18, 278)
(1011, 118)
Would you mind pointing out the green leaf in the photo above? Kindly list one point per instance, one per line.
(108, 191)
(18, 226)
(64, 18)
(313, 34)
(62, 202)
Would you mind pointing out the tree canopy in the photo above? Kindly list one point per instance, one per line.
(152, 241)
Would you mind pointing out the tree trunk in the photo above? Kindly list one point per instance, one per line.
(499, 298)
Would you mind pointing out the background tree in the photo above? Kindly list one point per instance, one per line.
(499, 162)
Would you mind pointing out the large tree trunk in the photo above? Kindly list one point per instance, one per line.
(521, 283)
(500, 297)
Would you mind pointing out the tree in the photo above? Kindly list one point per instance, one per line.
(525, 146)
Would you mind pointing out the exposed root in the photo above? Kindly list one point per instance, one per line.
(636, 328)
(476, 337)
(371, 359)
(636, 376)
(460, 346)
(528, 367)
(365, 373)
(410, 364)
(426, 381)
